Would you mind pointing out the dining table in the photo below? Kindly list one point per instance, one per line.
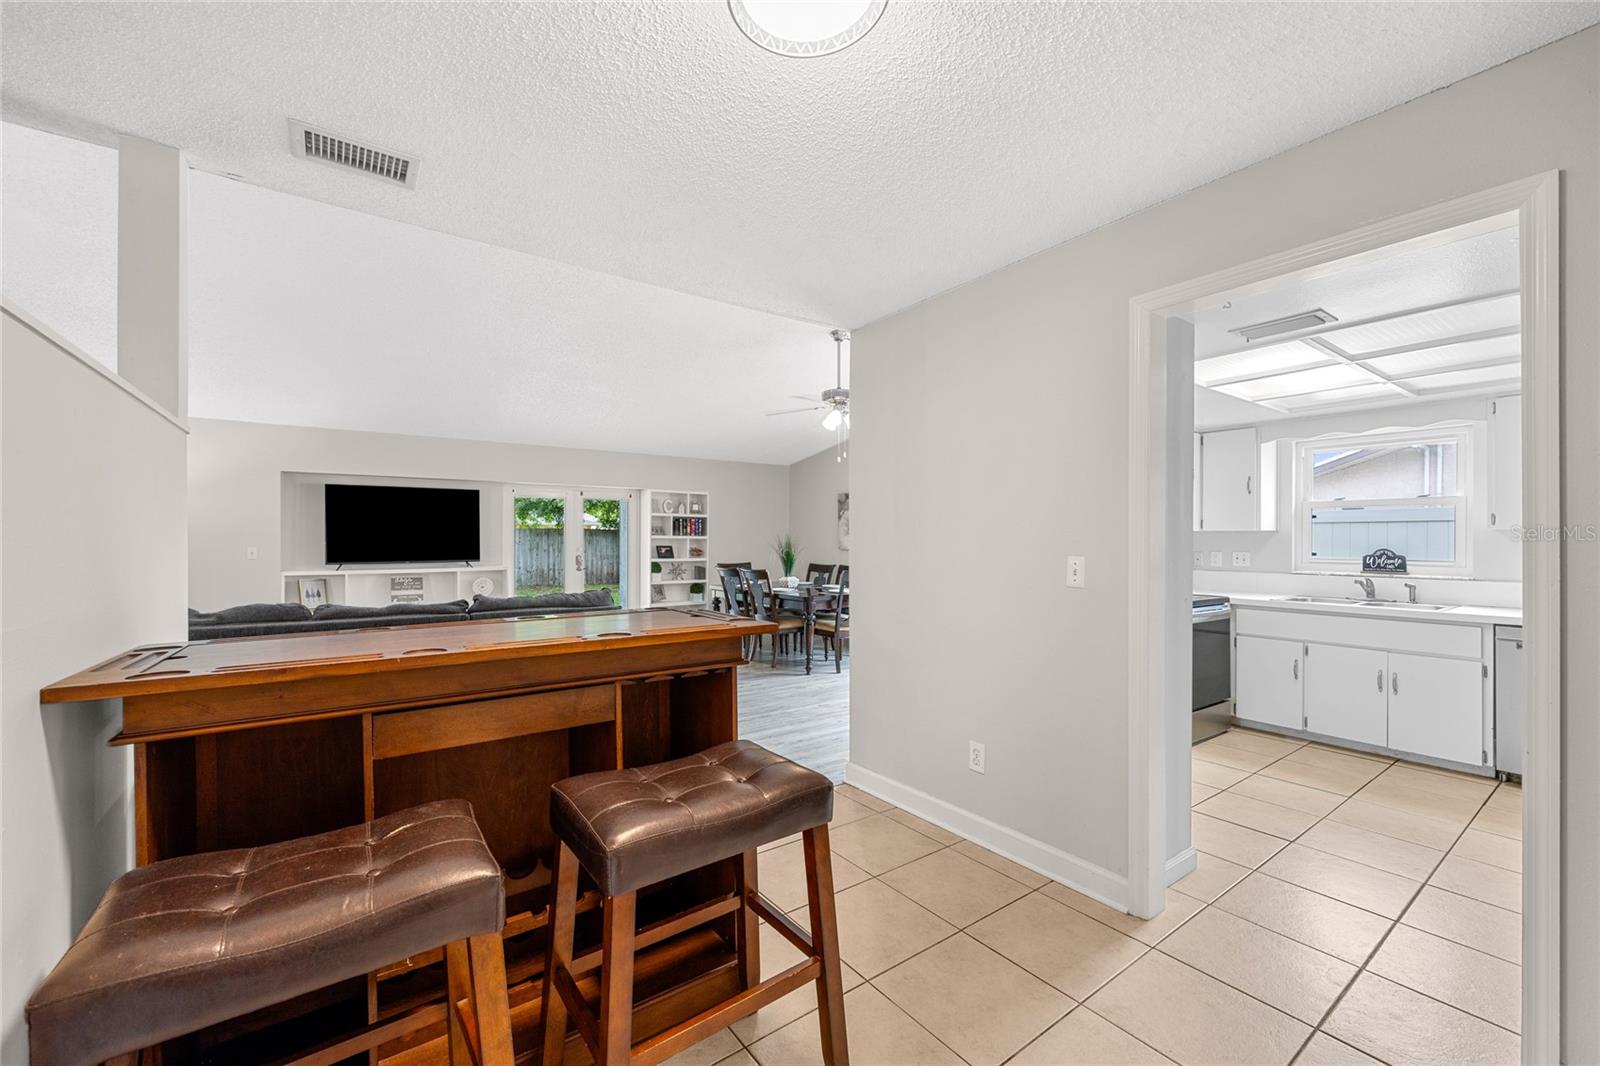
(807, 599)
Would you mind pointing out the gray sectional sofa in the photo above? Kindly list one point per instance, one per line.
(272, 619)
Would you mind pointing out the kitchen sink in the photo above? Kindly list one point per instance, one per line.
(1404, 606)
(1346, 601)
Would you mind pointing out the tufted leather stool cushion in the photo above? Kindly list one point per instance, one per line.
(631, 828)
(188, 942)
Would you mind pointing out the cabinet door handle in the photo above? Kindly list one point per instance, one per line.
(1248, 479)
(1394, 683)
(1297, 669)
(1380, 680)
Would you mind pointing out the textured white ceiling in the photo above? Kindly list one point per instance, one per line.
(307, 314)
(653, 142)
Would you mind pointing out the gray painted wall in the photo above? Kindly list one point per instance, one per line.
(92, 562)
(236, 491)
(1041, 682)
(814, 487)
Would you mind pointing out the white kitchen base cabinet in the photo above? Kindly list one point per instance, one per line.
(1346, 693)
(1269, 681)
(1409, 687)
(1427, 697)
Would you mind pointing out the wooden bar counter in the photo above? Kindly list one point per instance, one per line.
(244, 742)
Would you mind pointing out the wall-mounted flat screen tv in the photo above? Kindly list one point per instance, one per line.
(400, 524)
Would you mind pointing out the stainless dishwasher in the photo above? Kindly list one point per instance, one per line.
(1508, 700)
(1212, 706)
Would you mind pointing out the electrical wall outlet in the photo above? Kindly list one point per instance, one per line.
(250, 553)
(1199, 558)
(1075, 571)
(1216, 560)
(975, 757)
(1241, 558)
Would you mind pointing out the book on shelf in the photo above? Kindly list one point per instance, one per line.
(688, 526)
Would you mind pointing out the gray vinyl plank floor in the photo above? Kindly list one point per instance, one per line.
(806, 719)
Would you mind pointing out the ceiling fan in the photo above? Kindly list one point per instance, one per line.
(835, 401)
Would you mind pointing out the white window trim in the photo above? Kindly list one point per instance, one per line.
(1458, 434)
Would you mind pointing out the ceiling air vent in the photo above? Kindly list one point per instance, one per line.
(1292, 324)
(310, 142)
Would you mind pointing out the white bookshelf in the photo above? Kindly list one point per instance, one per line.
(681, 521)
(371, 587)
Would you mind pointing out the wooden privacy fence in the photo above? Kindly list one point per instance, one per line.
(541, 557)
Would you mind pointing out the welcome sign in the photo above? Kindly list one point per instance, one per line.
(1383, 561)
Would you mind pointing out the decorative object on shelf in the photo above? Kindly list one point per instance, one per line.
(787, 553)
(696, 507)
(669, 505)
(844, 521)
(697, 589)
(697, 553)
(655, 568)
(405, 588)
(658, 529)
(664, 551)
(1383, 561)
(313, 591)
(677, 572)
(482, 586)
(658, 594)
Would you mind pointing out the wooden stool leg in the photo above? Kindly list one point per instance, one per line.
(747, 934)
(616, 980)
(458, 979)
(825, 941)
(491, 1006)
(563, 912)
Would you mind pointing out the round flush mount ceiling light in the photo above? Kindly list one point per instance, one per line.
(804, 29)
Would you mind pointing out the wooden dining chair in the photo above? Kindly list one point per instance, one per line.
(733, 593)
(834, 629)
(758, 598)
(819, 573)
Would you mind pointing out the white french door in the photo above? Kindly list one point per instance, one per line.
(568, 539)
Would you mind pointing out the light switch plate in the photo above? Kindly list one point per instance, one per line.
(250, 553)
(1216, 560)
(1241, 558)
(1075, 571)
(1199, 558)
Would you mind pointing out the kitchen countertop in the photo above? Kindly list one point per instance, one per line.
(1457, 615)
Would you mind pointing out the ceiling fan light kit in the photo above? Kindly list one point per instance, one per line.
(835, 402)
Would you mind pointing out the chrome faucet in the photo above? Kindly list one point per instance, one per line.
(1411, 593)
(1368, 587)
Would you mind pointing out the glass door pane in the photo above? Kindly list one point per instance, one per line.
(604, 560)
(540, 558)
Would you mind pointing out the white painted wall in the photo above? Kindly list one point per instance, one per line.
(814, 487)
(92, 562)
(1496, 555)
(236, 491)
(1041, 679)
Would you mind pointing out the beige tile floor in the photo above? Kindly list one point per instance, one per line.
(1346, 908)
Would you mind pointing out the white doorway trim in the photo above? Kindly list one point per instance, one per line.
(1536, 201)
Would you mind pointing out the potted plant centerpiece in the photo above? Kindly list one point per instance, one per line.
(787, 554)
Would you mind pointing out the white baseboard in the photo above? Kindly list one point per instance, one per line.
(1181, 865)
(1093, 881)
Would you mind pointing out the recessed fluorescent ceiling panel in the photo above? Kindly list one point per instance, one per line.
(1507, 349)
(1337, 397)
(1441, 324)
(1317, 379)
(1462, 379)
(1273, 359)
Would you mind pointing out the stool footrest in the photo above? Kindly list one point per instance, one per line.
(663, 930)
(784, 925)
(680, 1037)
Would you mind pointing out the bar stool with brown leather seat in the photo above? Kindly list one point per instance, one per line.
(629, 829)
(186, 943)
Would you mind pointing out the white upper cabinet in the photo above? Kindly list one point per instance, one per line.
(1505, 462)
(1237, 482)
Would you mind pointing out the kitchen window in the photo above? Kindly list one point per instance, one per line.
(1404, 491)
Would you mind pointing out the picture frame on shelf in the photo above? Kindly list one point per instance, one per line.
(664, 551)
(696, 507)
(313, 591)
(658, 594)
